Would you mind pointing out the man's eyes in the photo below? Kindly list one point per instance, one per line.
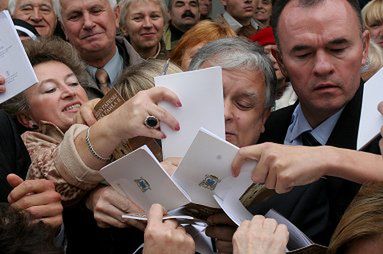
(96, 10)
(26, 8)
(74, 16)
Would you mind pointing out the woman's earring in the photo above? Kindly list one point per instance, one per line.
(33, 125)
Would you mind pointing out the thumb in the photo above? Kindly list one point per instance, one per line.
(245, 153)
(14, 180)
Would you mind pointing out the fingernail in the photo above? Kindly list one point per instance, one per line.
(177, 128)
(163, 136)
(179, 104)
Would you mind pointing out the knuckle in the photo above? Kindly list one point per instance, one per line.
(150, 234)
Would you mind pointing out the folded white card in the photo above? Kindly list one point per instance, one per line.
(14, 64)
(228, 197)
(206, 163)
(201, 95)
(370, 119)
(139, 176)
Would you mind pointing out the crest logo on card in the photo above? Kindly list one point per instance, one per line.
(209, 182)
(142, 184)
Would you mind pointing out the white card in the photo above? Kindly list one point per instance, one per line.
(201, 95)
(205, 165)
(370, 119)
(229, 202)
(14, 63)
(139, 176)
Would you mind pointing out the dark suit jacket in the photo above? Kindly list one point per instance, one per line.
(317, 208)
(14, 157)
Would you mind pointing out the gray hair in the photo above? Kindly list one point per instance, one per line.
(57, 7)
(238, 53)
(124, 5)
(12, 6)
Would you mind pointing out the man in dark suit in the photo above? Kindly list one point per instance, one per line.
(322, 46)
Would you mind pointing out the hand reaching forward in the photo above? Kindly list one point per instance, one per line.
(108, 206)
(260, 236)
(165, 237)
(282, 167)
(38, 197)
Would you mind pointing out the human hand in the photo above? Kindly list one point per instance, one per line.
(2, 84)
(281, 167)
(128, 120)
(165, 237)
(171, 164)
(37, 197)
(260, 236)
(85, 114)
(221, 228)
(108, 206)
(380, 108)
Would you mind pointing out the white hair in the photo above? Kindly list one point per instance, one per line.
(12, 6)
(57, 7)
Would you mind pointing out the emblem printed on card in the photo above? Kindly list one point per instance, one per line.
(209, 182)
(142, 184)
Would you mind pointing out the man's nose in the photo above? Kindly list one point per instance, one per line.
(323, 64)
(228, 112)
(36, 15)
(88, 21)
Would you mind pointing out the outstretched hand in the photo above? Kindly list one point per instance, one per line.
(280, 167)
(38, 197)
(260, 235)
(165, 237)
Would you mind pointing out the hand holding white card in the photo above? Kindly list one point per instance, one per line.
(14, 64)
(140, 176)
(201, 95)
(370, 119)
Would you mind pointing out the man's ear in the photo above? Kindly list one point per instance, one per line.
(26, 121)
(265, 116)
(276, 54)
(366, 45)
(117, 10)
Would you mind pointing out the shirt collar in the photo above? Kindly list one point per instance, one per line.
(235, 25)
(113, 68)
(299, 124)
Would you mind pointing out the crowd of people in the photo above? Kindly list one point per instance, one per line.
(293, 74)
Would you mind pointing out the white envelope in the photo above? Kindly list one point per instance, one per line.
(14, 63)
(201, 95)
(370, 119)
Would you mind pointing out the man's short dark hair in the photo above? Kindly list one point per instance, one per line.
(19, 234)
(279, 6)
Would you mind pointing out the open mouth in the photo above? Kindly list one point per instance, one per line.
(72, 107)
